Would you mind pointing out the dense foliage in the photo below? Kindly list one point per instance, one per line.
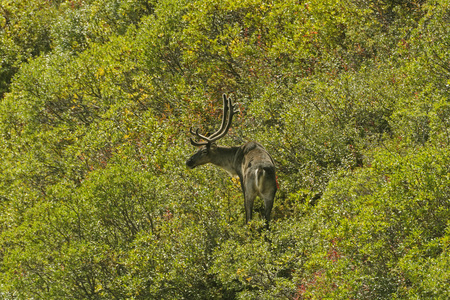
(351, 98)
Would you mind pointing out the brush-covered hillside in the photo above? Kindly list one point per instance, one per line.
(350, 97)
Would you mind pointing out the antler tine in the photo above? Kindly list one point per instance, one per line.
(199, 134)
(224, 117)
(207, 140)
(198, 144)
(227, 106)
(227, 117)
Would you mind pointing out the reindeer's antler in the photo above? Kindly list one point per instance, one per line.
(227, 118)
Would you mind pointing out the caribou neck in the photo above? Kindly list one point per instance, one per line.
(226, 159)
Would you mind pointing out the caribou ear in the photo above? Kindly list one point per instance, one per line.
(213, 146)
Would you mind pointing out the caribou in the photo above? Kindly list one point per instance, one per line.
(250, 162)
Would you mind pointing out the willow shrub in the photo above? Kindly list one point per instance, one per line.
(376, 220)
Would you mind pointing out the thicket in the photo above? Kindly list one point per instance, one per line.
(350, 97)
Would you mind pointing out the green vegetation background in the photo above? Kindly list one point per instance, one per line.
(351, 98)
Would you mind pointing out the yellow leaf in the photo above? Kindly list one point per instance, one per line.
(100, 72)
